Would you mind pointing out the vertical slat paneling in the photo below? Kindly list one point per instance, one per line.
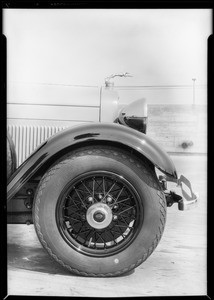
(27, 138)
(31, 139)
(28, 130)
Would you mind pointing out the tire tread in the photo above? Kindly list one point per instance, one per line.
(91, 151)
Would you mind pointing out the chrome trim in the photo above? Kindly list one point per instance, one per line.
(102, 209)
(184, 204)
(188, 200)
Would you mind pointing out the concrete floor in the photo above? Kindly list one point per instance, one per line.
(177, 266)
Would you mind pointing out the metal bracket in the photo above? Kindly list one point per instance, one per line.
(172, 197)
(163, 182)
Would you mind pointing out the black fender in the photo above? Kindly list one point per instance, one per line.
(95, 132)
(11, 156)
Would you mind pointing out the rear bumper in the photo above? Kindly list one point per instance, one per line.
(181, 192)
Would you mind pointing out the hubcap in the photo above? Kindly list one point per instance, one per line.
(99, 213)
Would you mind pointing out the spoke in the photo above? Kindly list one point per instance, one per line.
(117, 225)
(71, 204)
(119, 193)
(124, 221)
(86, 230)
(95, 242)
(121, 231)
(125, 210)
(90, 233)
(91, 194)
(117, 202)
(80, 230)
(107, 235)
(112, 235)
(76, 213)
(98, 184)
(80, 190)
(68, 196)
(104, 190)
(73, 213)
(80, 199)
(109, 190)
(91, 239)
(118, 232)
(123, 200)
(85, 241)
(69, 217)
(100, 236)
(93, 187)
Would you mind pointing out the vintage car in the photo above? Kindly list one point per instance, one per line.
(93, 192)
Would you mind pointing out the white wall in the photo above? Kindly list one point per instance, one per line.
(82, 47)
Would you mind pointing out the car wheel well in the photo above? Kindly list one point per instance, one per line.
(66, 150)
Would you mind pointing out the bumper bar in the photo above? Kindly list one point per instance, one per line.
(187, 201)
(182, 193)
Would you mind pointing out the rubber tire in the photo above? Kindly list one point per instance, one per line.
(11, 157)
(106, 158)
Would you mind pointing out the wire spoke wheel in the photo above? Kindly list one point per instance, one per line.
(99, 213)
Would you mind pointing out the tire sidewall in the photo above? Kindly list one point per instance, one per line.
(45, 213)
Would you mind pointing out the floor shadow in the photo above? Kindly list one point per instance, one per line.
(34, 259)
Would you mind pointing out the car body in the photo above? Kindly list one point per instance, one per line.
(121, 130)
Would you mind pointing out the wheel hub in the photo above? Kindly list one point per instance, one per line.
(99, 215)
